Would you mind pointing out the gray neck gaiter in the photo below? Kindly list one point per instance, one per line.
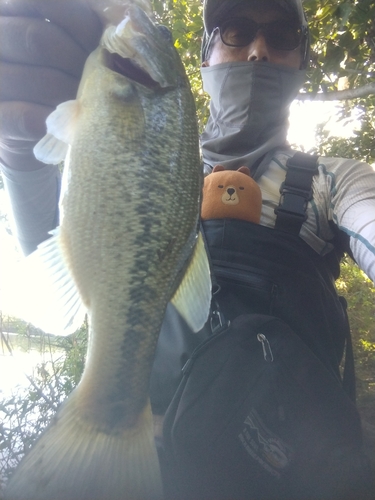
(249, 111)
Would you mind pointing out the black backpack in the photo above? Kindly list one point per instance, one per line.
(263, 411)
(258, 417)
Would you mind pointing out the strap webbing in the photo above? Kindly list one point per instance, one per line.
(296, 191)
(348, 376)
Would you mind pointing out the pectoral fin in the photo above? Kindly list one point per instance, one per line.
(50, 150)
(61, 125)
(193, 297)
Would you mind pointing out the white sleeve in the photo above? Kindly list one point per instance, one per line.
(353, 209)
(34, 197)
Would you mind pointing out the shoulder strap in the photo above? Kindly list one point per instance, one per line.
(348, 375)
(217, 320)
(295, 192)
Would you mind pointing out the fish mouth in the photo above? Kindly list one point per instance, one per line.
(128, 68)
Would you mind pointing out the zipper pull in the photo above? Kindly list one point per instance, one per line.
(267, 351)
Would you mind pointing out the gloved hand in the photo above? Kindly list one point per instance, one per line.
(43, 48)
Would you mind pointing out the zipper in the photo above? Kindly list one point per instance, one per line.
(246, 276)
(267, 351)
(266, 347)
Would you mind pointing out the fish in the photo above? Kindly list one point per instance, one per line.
(128, 243)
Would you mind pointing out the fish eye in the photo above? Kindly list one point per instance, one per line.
(166, 33)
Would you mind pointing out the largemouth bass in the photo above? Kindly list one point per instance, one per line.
(128, 243)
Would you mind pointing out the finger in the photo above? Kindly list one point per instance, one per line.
(75, 17)
(35, 41)
(23, 121)
(39, 85)
(19, 155)
(23, 125)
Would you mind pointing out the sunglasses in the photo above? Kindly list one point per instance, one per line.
(280, 35)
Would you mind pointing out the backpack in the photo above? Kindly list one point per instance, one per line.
(262, 411)
(257, 416)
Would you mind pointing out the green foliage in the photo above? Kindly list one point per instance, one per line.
(26, 412)
(184, 19)
(343, 57)
(343, 34)
(359, 292)
(361, 144)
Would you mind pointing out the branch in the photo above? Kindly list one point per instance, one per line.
(40, 393)
(339, 95)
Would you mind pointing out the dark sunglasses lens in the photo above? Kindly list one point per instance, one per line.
(282, 35)
(238, 32)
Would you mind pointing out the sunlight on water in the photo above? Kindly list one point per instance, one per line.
(13, 369)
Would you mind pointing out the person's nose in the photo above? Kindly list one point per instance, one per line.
(258, 49)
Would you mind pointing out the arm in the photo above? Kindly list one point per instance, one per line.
(40, 64)
(34, 196)
(353, 209)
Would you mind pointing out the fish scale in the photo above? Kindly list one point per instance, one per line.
(128, 243)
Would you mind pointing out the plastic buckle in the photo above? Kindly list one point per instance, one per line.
(306, 194)
(289, 217)
(292, 204)
(216, 321)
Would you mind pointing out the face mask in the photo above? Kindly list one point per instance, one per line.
(249, 110)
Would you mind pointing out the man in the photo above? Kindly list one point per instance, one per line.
(254, 56)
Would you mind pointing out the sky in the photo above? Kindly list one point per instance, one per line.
(311, 114)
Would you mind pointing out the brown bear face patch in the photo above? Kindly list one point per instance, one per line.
(231, 194)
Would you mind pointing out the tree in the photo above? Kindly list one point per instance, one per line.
(343, 48)
(343, 68)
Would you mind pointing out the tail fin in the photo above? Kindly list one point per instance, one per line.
(74, 460)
